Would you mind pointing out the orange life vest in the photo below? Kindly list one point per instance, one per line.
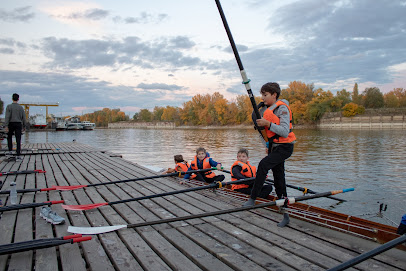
(206, 164)
(247, 170)
(184, 166)
(269, 115)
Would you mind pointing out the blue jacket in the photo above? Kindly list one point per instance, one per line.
(200, 166)
(403, 219)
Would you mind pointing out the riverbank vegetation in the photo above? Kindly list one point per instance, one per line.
(308, 105)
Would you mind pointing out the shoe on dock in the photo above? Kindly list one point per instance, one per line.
(51, 216)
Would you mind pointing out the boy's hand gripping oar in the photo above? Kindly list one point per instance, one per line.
(245, 79)
(22, 172)
(97, 205)
(74, 187)
(281, 202)
(28, 205)
(41, 243)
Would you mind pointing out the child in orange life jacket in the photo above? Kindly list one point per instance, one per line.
(203, 161)
(242, 169)
(181, 165)
(277, 120)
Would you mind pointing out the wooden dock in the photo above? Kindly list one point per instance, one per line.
(248, 240)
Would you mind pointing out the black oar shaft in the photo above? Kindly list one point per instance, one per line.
(240, 66)
(27, 205)
(220, 212)
(38, 245)
(212, 185)
(21, 191)
(151, 177)
(370, 254)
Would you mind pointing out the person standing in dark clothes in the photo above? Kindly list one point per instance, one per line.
(15, 122)
(277, 120)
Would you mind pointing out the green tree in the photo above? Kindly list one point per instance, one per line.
(390, 100)
(356, 98)
(158, 111)
(136, 116)
(145, 115)
(372, 98)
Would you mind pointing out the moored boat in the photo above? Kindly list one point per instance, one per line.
(87, 125)
(38, 121)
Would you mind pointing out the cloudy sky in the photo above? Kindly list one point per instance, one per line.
(87, 55)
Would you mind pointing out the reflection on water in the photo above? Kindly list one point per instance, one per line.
(370, 161)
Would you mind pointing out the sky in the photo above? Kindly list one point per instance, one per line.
(88, 55)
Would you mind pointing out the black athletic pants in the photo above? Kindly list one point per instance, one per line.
(264, 193)
(14, 127)
(275, 160)
(202, 178)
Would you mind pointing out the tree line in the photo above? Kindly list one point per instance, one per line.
(308, 105)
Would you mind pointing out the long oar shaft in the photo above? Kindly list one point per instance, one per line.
(23, 243)
(97, 205)
(370, 254)
(306, 190)
(28, 205)
(74, 187)
(281, 202)
(179, 173)
(22, 172)
(39, 245)
(242, 71)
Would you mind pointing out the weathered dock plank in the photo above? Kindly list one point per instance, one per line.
(238, 241)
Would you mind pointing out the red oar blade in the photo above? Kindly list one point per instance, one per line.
(83, 207)
(66, 188)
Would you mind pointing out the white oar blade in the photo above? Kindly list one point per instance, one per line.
(95, 230)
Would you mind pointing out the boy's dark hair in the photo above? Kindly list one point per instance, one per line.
(243, 150)
(272, 88)
(178, 158)
(200, 149)
(16, 97)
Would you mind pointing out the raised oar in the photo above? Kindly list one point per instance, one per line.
(245, 79)
(370, 254)
(22, 172)
(74, 187)
(97, 205)
(41, 243)
(28, 205)
(281, 202)
(303, 189)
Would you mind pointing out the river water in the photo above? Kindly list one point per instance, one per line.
(373, 162)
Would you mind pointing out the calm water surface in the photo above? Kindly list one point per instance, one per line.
(373, 162)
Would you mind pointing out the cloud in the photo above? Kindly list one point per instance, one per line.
(73, 92)
(7, 51)
(157, 86)
(75, 54)
(143, 18)
(88, 14)
(331, 41)
(22, 14)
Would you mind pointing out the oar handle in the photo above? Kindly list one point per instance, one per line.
(28, 205)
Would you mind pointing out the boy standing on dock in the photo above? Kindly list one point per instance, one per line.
(277, 120)
(15, 122)
(203, 161)
(242, 169)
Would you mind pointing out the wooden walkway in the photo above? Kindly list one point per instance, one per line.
(238, 241)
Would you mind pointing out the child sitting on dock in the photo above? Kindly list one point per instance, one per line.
(181, 165)
(242, 169)
(203, 161)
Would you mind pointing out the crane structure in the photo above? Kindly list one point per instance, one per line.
(27, 107)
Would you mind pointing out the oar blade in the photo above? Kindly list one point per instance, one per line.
(83, 207)
(95, 230)
(66, 188)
